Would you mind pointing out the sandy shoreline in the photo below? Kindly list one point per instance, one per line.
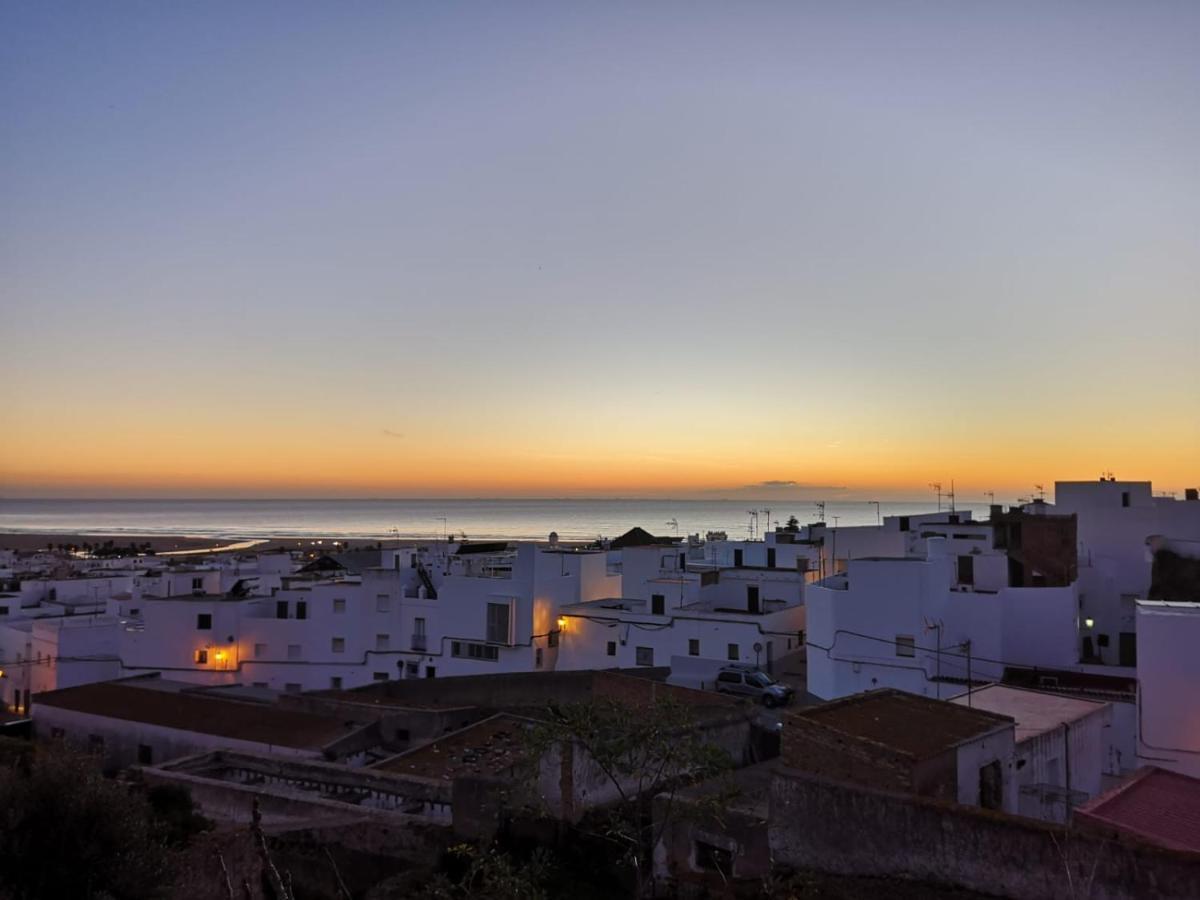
(173, 543)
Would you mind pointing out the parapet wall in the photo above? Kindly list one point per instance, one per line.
(845, 829)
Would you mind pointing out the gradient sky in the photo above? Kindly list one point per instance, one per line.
(404, 249)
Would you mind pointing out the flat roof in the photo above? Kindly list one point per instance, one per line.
(199, 712)
(917, 726)
(1154, 805)
(1035, 712)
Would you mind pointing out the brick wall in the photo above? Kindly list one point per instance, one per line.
(848, 829)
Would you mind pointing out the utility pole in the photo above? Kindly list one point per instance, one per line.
(966, 646)
(878, 514)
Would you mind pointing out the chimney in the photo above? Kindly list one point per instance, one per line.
(1191, 494)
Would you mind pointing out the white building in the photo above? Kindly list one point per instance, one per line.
(1062, 750)
(1116, 518)
(1168, 726)
(909, 622)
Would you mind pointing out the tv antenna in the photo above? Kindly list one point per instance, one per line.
(753, 526)
(820, 505)
(1041, 491)
(673, 523)
(937, 488)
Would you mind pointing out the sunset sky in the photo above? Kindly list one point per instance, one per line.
(553, 249)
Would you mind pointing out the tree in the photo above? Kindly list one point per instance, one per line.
(793, 524)
(642, 752)
(66, 831)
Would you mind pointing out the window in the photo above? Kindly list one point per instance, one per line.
(644, 656)
(419, 626)
(381, 603)
(418, 635)
(204, 622)
(202, 657)
(383, 641)
(293, 687)
(294, 651)
(966, 569)
(339, 606)
(612, 648)
(145, 755)
(732, 652)
(473, 650)
(693, 647)
(411, 669)
(657, 602)
(197, 584)
(335, 683)
(729, 678)
(379, 676)
(301, 609)
(260, 650)
(1124, 498)
(430, 672)
(713, 858)
(552, 639)
(3, 610)
(770, 557)
(498, 623)
(281, 609)
(906, 645)
(337, 645)
(537, 658)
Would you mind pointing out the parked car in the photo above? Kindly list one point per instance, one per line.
(749, 681)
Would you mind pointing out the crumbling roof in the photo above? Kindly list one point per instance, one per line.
(1152, 804)
(491, 747)
(203, 714)
(909, 723)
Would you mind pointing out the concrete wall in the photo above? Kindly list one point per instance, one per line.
(1168, 726)
(852, 830)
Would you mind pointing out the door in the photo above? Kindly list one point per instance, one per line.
(770, 557)
(737, 558)
(752, 604)
(1128, 648)
(657, 603)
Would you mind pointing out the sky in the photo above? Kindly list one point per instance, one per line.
(596, 249)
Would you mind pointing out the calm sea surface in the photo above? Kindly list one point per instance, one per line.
(512, 519)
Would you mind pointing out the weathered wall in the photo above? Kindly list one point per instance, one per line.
(847, 829)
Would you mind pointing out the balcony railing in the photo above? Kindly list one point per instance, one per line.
(419, 643)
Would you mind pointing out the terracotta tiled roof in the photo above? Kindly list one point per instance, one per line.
(918, 726)
(1153, 804)
(257, 722)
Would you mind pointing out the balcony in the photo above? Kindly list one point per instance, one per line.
(419, 643)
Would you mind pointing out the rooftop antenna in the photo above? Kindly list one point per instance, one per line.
(991, 495)
(937, 487)
(878, 514)
(767, 527)
(442, 519)
(820, 504)
(673, 523)
(1041, 491)
(951, 495)
(752, 527)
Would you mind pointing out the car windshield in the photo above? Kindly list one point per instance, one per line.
(758, 679)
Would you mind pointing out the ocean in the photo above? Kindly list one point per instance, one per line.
(477, 519)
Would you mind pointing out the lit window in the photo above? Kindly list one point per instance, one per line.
(202, 657)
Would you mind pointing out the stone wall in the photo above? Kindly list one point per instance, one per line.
(847, 829)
